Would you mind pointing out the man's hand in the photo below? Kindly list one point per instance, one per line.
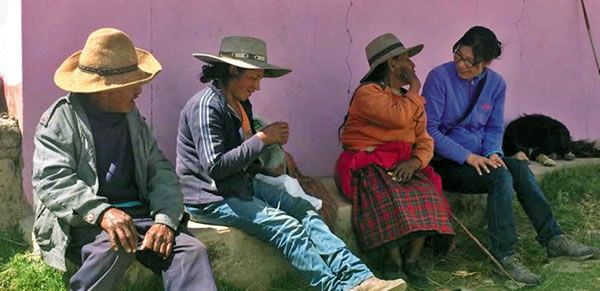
(120, 229)
(274, 133)
(405, 170)
(159, 239)
(481, 163)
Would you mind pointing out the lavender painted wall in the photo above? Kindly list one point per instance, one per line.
(547, 62)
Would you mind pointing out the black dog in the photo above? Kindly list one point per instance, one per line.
(543, 139)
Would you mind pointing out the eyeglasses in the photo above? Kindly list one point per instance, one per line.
(458, 57)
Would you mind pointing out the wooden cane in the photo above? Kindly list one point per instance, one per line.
(589, 31)
(484, 249)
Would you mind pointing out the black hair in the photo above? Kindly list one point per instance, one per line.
(486, 47)
(377, 76)
(218, 74)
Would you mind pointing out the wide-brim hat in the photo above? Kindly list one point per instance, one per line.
(383, 48)
(244, 52)
(107, 61)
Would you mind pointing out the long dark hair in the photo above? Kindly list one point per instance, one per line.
(486, 47)
(218, 74)
(377, 76)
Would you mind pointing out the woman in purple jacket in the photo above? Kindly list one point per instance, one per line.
(465, 110)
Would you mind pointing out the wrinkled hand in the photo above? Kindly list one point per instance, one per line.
(120, 229)
(274, 133)
(415, 85)
(159, 238)
(498, 160)
(481, 163)
(405, 170)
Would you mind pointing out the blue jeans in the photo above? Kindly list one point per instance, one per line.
(499, 184)
(294, 227)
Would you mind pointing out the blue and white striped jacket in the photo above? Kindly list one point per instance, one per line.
(211, 153)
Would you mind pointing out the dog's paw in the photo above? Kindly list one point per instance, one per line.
(521, 156)
(569, 156)
(545, 160)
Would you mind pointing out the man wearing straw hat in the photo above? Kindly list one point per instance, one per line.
(104, 193)
(217, 151)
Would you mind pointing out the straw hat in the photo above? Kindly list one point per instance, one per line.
(108, 61)
(244, 52)
(383, 48)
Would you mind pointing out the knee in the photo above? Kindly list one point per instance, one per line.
(519, 169)
(197, 249)
(500, 182)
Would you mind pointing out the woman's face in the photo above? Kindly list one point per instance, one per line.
(402, 69)
(465, 66)
(245, 83)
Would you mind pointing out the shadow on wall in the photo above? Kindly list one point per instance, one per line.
(3, 107)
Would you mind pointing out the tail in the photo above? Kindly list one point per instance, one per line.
(585, 148)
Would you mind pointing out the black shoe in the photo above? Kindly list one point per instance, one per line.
(562, 246)
(519, 272)
(415, 275)
(391, 271)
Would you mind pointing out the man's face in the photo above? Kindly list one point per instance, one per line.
(246, 83)
(117, 100)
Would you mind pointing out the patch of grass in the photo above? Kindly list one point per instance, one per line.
(574, 195)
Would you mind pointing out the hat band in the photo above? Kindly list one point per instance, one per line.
(108, 72)
(385, 51)
(243, 56)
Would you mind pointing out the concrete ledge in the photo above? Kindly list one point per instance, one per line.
(243, 261)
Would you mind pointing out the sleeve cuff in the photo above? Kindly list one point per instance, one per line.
(488, 154)
(92, 214)
(167, 220)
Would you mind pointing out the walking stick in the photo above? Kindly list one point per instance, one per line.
(484, 249)
(589, 31)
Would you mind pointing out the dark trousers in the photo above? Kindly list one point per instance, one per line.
(499, 185)
(102, 268)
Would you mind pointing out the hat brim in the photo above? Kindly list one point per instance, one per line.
(71, 79)
(411, 51)
(271, 71)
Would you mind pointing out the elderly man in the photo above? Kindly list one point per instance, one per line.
(103, 191)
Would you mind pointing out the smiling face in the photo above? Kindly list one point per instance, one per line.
(244, 84)
(465, 63)
(116, 100)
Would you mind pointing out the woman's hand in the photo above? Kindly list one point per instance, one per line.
(481, 163)
(415, 85)
(498, 160)
(405, 170)
(274, 133)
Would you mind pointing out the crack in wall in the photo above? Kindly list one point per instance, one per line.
(518, 25)
(349, 48)
(151, 85)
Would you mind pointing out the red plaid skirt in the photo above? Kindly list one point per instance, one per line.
(384, 210)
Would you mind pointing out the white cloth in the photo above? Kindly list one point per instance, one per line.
(291, 186)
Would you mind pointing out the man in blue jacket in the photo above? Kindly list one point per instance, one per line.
(104, 193)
